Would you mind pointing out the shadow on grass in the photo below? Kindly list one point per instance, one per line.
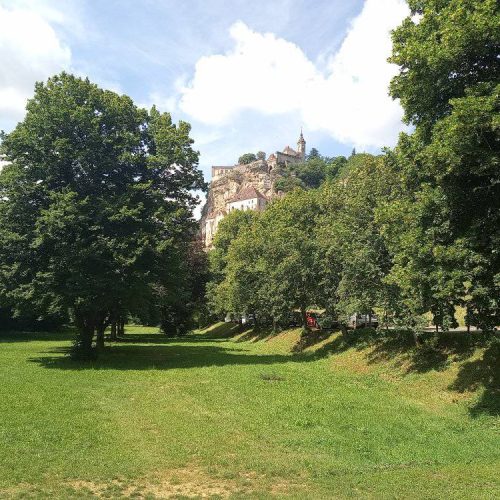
(220, 331)
(239, 333)
(152, 338)
(160, 357)
(256, 334)
(436, 353)
(482, 373)
(27, 336)
(355, 339)
(310, 338)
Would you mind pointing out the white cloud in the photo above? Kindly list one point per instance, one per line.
(30, 50)
(270, 75)
(262, 72)
(162, 102)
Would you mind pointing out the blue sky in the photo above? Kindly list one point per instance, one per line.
(246, 75)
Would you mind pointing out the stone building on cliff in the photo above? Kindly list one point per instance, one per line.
(245, 187)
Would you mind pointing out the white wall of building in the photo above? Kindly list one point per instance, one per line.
(251, 204)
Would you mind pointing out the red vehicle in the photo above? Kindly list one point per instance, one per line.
(312, 320)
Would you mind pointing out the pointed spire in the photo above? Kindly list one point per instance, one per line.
(301, 137)
(301, 145)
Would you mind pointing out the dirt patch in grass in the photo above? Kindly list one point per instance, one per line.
(271, 377)
(188, 482)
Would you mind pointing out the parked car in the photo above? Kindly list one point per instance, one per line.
(248, 319)
(312, 320)
(363, 320)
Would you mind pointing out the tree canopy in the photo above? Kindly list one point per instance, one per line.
(311, 173)
(448, 216)
(96, 204)
(247, 158)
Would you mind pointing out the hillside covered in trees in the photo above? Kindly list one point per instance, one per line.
(409, 233)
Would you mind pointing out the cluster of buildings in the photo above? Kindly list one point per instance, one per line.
(245, 187)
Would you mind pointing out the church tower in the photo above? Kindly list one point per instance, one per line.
(301, 146)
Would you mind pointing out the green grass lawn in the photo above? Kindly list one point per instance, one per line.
(219, 415)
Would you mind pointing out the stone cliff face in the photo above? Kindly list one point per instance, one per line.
(228, 182)
(225, 187)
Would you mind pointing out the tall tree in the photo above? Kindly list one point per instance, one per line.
(245, 276)
(236, 222)
(354, 260)
(94, 203)
(288, 254)
(448, 86)
(264, 264)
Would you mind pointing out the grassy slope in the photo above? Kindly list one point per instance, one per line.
(244, 416)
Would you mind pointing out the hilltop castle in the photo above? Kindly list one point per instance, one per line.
(245, 187)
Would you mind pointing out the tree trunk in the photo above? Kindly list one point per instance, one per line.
(255, 321)
(102, 324)
(303, 314)
(86, 328)
(86, 337)
(99, 341)
(343, 329)
(113, 335)
(121, 327)
(415, 337)
(467, 319)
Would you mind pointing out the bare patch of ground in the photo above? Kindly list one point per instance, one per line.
(188, 482)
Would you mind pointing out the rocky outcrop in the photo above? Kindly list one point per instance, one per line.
(224, 188)
(228, 181)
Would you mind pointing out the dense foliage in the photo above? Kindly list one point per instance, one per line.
(96, 207)
(444, 229)
(311, 173)
(312, 247)
(411, 232)
(247, 158)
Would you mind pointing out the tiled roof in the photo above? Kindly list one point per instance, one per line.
(247, 193)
